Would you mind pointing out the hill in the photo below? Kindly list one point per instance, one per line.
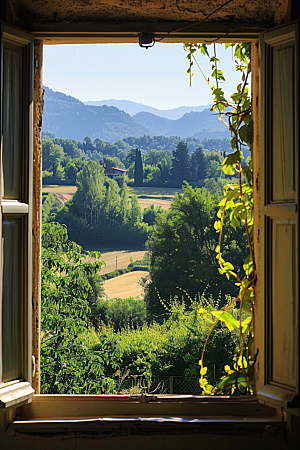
(67, 117)
(186, 126)
(133, 108)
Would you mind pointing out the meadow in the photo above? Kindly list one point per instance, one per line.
(158, 196)
(125, 286)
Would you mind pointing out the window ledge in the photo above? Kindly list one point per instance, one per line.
(279, 398)
(14, 394)
(82, 407)
(120, 425)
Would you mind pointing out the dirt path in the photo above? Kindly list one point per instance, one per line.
(126, 285)
(119, 259)
(63, 198)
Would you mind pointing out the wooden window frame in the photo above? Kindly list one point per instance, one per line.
(47, 407)
(18, 392)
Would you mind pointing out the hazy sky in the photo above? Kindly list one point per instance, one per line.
(156, 77)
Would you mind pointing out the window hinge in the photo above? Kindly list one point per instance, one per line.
(33, 365)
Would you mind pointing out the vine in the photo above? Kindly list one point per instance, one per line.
(238, 200)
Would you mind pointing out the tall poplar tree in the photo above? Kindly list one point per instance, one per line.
(138, 168)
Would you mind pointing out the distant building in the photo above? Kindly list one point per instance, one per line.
(114, 172)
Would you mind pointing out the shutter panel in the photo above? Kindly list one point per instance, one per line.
(279, 303)
(16, 127)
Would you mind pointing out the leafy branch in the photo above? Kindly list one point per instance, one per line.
(238, 200)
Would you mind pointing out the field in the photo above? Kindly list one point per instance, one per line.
(158, 196)
(160, 192)
(125, 286)
(119, 259)
(56, 189)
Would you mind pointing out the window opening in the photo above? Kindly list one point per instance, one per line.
(104, 187)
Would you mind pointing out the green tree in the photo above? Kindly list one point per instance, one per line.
(198, 165)
(67, 365)
(53, 155)
(138, 168)
(181, 165)
(182, 251)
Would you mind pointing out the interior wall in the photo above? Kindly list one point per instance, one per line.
(176, 441)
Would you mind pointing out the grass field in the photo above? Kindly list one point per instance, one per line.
(56, 189)
(119, 258)
(155, 191)
(158, 196)
(125, 286)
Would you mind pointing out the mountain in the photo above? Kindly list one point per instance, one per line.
(133, 108)
(186, 126)
(67, 117)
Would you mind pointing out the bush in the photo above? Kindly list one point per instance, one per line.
(128, 313)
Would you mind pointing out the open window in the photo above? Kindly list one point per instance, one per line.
(16, 198)
(278, 304)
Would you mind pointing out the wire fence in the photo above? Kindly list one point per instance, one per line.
(162, 385)
(68, 382)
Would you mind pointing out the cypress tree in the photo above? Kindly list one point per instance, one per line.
(138, 168)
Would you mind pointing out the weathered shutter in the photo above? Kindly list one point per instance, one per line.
(279, 302)
(16, 127)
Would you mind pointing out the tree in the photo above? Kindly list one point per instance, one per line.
(198, 164)
(182, 251)
(138, 168)
(67, 365)
(181, 166)
(53, 154)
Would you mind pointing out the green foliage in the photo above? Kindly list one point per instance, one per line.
(181, 164)
(172, 348)
(101, 211)
(182, 251)
(150, 213)
(67, 364)
(50, 207)
(123, 313)
(138, 168)
(238, 199)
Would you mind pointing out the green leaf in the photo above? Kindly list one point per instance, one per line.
(230, 322)
(231, 161)
(246, 133)
(246, 324)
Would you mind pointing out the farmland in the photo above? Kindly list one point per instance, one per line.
(158, 196)
(126, 285)
(119, 259)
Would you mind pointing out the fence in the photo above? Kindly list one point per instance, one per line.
(163, 385)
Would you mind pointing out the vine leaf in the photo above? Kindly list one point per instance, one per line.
(230, 322)
(231, 161)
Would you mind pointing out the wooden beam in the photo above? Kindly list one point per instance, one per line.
(169, 32)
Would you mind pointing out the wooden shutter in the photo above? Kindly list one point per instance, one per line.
(16, 106)
(279, 302)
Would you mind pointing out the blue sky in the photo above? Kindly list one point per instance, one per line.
(156, 77)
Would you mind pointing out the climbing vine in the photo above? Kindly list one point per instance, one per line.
(237, 200)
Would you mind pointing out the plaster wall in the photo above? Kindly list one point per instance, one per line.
(266, 11)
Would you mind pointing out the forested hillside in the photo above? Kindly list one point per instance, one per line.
(133, 108)
(68, 118)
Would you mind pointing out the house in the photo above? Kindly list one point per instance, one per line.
(114, 172)
(271, 418)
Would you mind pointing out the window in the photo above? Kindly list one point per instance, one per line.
(280, 241)
(16, 194)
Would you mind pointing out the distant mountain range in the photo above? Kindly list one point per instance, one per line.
(133, 108)
(69, 118)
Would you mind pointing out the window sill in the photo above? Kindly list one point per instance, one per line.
(15, 393)
(123, 407)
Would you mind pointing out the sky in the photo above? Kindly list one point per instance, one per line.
(155, 77)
